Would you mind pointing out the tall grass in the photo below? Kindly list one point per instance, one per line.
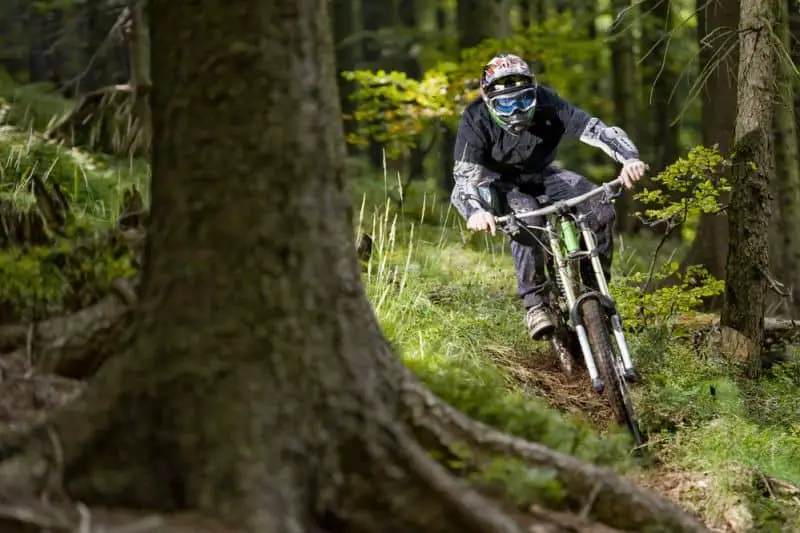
(445, 299)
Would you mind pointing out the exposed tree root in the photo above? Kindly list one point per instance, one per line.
(394, 460)
(74, 345)
(445, 504)
(619, 502)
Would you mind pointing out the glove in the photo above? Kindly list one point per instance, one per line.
(482, 221)
(632, 171)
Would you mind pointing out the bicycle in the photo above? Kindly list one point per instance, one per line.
(584, 314)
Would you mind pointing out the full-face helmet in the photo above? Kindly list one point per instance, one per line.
(508, 88)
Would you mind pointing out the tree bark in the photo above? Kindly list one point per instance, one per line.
(476, 20)
(259, 387)
(139, 46)
(784, 235)
(376, 15)
(481, 19)
(346, 23)
(747, 270)
(794, 52)
(624, 83)
(719, 57)
(660, 79)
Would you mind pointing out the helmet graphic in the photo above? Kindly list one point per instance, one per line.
(508, 88)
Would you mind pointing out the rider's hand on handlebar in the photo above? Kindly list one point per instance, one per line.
(482, 221)
(632, 171)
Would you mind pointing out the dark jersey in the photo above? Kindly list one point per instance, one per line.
(482, 141)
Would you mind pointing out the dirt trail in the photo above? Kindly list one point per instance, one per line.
(540, 373)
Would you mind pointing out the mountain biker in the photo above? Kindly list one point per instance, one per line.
(505, 148)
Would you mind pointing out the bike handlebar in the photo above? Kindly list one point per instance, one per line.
(560, 205)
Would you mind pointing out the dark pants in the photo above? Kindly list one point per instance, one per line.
(520, 194)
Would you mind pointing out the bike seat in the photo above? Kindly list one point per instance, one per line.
(544, 201)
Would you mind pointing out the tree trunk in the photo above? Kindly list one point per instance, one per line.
(480, 19)
(539, 9)
(747, 270)
(719, 56)
(659, 82)
(476, 20)
(785, 238)
(139, 46)
(407, 20)
(794, 52)
(259, 387)
(660, 79)
(376, 15)
(346, 23)
(525, 8)
(624, 83)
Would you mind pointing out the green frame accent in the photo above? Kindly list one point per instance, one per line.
(569, 235)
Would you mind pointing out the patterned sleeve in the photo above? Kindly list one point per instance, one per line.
(468, 170)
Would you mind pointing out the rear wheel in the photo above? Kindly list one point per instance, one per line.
(611, 372)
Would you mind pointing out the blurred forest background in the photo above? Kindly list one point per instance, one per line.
(707, 247)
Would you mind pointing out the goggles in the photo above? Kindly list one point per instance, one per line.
(507, 104)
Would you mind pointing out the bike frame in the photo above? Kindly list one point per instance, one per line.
(563, 229)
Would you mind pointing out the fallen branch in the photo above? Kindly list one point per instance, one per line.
(706, 330)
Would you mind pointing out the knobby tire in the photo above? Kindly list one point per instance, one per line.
(605, 359)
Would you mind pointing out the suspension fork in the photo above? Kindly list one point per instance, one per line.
(566, 236)
(597, 268)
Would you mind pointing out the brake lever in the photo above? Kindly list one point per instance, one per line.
(511, 225)
(609, 194)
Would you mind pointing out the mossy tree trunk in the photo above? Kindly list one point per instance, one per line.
(719, 59)
(785, 230)
(747, 269)
(258, 387)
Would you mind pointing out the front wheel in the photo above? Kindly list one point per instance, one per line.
(616, 388)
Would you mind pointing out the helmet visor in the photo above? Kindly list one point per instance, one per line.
(517, 102)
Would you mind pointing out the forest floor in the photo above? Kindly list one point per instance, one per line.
(726, 449)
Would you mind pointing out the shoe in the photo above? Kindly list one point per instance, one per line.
(539, 322)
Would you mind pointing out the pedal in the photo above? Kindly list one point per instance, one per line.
(630, 375)
(598, 385)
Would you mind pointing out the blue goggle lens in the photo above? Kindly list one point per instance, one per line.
(507, 105)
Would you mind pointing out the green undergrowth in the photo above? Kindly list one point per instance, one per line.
(42, 281)
(446, 301)
(706, 417)
(39, 281)
(92, 182)
(31, 107)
